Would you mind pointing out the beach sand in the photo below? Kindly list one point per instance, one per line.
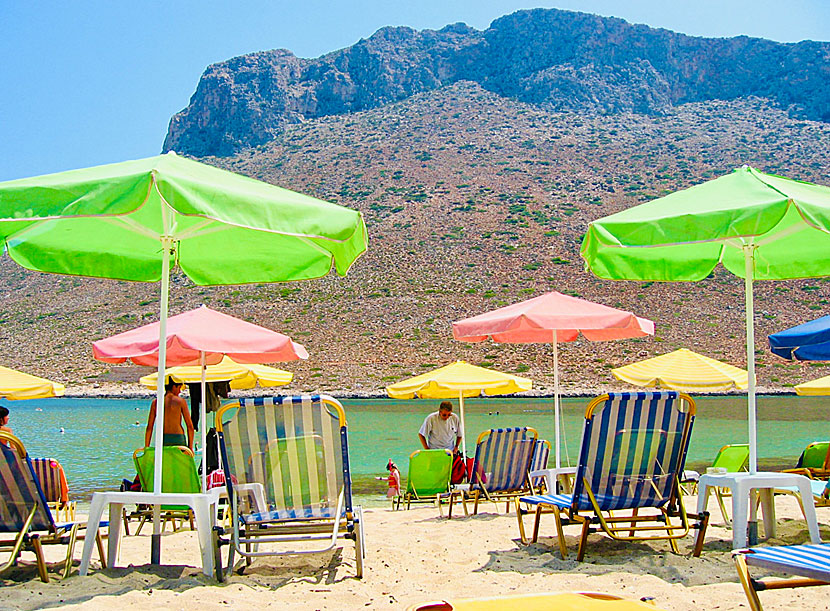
(415, 556)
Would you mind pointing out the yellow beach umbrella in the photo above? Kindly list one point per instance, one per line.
(460, 380)
(814, 388)
(683, 370)
(18, 385)
(241, 376)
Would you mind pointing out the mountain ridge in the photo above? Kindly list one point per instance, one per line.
(558, 60)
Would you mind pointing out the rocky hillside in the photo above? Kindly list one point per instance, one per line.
(473, 201)
(556, 60)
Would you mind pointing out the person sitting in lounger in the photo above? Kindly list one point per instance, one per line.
(175, 409)
(4, 422)
(440, 430)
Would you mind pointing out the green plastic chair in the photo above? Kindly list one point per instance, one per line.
(814, 456)
(733, 458)
(178, 474)
(429, 476)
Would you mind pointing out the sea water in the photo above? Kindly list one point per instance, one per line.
(94, 438)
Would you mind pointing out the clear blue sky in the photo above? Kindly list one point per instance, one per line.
(91, 82)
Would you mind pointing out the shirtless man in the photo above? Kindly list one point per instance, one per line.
(175, 409)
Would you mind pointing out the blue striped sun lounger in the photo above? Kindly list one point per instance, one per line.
(502, 463)
(25, 512)
(633, 450)
(810, 561)
(286, 461)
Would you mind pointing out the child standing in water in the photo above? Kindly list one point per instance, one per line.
(394, 481)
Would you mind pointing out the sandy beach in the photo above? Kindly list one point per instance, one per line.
(415, 556)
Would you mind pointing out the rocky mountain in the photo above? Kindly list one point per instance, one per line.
(555, 60)
(473, 200)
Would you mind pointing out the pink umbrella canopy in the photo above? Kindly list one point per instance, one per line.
(553, 315)
(200, 331)
(552, 318)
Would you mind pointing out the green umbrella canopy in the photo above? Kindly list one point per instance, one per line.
(107, 222)
(684, 235)
(759, 226)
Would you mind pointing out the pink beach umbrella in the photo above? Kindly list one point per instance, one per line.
(198, 337)
(552, 318)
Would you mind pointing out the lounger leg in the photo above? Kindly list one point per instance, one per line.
(73, 536)
(746, 582)
(560, 533)
(583, 541)
(475, 506)
(126, 521)
(522, 536)
(702, 525)
(358, 549)
(41, 561)
(102, 556)
(536, 521)
(722, 505)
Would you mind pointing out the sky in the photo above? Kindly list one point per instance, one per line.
(92, 82)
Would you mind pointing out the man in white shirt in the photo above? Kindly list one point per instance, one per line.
(441, 430)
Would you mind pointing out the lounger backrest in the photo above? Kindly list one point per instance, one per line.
(20, 490)
(178, 469)
(814, 456)
(540, 461)
(296, 448)
(633, 447)
(503, 458)
(733, 457)
(429, 472)
(52, 479)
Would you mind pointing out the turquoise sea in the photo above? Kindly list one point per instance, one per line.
(99, 435)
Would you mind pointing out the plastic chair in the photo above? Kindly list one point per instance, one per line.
(429, 477)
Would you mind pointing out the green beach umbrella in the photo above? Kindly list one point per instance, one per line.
(133, 220)
(758, 226)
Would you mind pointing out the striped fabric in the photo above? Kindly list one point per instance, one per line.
(632, 448)
(806, 560)
(288, 514)
(503, 459)
(19, 491)
(540, 461)
(560, 500)
(294, 448)
(52, 479)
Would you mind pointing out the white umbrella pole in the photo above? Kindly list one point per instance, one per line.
(749, 267)
(556, 393)
(203, 419)
(166, 247)
(463, 429)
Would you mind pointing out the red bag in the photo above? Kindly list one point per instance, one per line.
(459, 470)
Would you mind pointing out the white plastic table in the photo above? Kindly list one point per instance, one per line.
(742, 484)
(204, 512)
(552, 475)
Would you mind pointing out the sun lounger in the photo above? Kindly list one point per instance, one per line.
(814, 461)
(286, 461)
(502, 464)
(810, 561)
(25, 513)
(581, 601)
(633, 449)
(178, 475)
(428, 479)
(52, 480)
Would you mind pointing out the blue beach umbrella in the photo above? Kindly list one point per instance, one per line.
(809, 341)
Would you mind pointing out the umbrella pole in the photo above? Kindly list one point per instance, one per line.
(556, 393)
(166, 247)
(463, 429)
(749, 268)
(203, 419)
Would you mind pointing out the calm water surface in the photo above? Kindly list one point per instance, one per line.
(100, 434)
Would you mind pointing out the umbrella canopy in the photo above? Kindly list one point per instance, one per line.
(200, 331)
(809, 341)
(199, 336)
(130, 220)
(757, 225)
(460, 380)
(683, 370)
(241, 376)
(16, 385)
(814, 388)
(552, 318)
